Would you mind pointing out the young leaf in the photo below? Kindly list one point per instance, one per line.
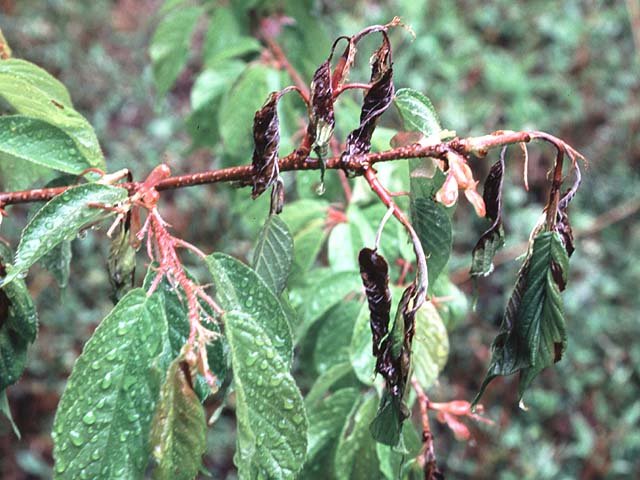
(239, 288)
(61, 219)
(35, 141)
(433, 226)
(178, 433)
(493, 239)
(273, 255)
(102, 424)
(533, 334)
(33, 92)
(272, 423)
(356, 451)
(169, 48)
(417, 112)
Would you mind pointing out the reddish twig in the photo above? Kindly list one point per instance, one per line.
(427, 455)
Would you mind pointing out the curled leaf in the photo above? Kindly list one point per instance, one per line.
(266, 139)
(376, 101)
(374, 271)
(322, 121)
(493, 239)
(121, 261)
(448, 193)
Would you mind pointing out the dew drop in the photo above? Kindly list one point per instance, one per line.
(106, 382)
(288, 404)
(60, 466)
(76, 438)
(252, 358)
(89, 418)
(95, 455)
(297, 419)
(264, 365)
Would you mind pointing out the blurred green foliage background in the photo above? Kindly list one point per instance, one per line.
(568, 67)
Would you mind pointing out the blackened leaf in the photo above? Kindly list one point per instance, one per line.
(533, 334)
(322, 121)
(266, 139)
(381, 59)
(375, 277)
(493, 239)
(376, 101)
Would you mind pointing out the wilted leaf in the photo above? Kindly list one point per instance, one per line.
(266, 139)
(322, 120)
(178, 433)
(533, 333)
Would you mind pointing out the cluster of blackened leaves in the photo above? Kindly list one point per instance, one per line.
(533, 332)
(266, 139)
(391, 347)
(376, 101)
(493, 239)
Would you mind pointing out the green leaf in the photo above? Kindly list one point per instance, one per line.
(178, 434)
(327, 290)
(57, 261)
(102, 424)
(169, 48)
(34, 93)
(239, 288)
(533, 332)
(328, 418)
(395, 461)
(235, 116)
(297, 215)
(307, 244)
(360, 350)
(455, 308)
(213, 82)
(32, 140)
(430, 345)
(4, 406)
(433, 226)
(18, 326)
(273, 255)
(334, 335)
(325, 381)
(61, 219)
(272, 423)
(417, 112)
(356, 455)
(224, 39)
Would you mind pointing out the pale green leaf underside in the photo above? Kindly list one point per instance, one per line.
(61, 219)
(273, 254)
(34, 93)
(430, 345)
(272, 423)
(417, 112)
(178, 433)
(35, 141)
(103, 420)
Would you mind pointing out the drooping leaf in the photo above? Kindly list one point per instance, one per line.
(395, 462)
(35, 141)
(61, 219)
(322, 119)
(533, 333)
(272, 423)
(273, 255)
(169, 47)
(430, 345)
(238, 107)
(266, 139)
(356, 451)
(417, 112)
(493, 239)
(121, 261)
(18, 325)
(34, 93)
(57, 261)
(240, 288)
(178, 433)
(433, 226)
(103, 420)
(376, 102)
(328, 418)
